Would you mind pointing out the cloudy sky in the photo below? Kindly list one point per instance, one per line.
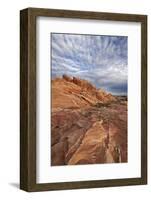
(99, 59)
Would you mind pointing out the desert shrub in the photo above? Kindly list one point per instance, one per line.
(100, 104)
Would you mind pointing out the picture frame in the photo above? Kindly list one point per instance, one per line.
(28, 98)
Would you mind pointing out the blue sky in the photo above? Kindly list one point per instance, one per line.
(102, 60)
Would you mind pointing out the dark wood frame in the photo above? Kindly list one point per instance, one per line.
(28, 98)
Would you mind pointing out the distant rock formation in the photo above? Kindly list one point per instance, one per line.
(68, 92)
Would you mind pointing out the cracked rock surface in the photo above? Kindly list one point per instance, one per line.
(88, 126)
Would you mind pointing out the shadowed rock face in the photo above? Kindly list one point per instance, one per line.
(88, 126)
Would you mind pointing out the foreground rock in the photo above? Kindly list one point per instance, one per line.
(89, 126)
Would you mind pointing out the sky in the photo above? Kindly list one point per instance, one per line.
(102, 60)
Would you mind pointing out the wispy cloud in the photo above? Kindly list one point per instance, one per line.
(99, 59)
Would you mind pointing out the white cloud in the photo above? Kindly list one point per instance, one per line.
(99, 59)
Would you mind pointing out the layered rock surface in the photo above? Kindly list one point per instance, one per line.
(74, 93)
(88, 126)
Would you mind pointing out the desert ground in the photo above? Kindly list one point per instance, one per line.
(88, 125)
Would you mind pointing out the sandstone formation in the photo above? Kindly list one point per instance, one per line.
(74, 93)
(88, 125)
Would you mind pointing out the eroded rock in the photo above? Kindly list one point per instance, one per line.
(88, 126)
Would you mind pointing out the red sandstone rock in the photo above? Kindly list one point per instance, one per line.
(88, 126)
(76, 93)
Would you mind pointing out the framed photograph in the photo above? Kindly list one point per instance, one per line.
(83, 99)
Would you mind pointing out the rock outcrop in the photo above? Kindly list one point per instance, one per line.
(73, 93)
(88, 126)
